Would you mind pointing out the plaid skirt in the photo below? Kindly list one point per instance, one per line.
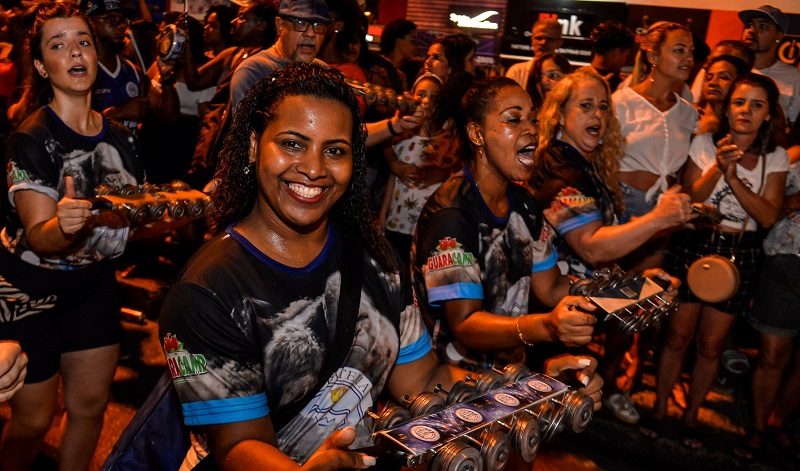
(687, 246)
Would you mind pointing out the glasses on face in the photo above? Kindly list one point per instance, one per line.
(301, 26)
(553, 75)
(410, 39)
(115, 20)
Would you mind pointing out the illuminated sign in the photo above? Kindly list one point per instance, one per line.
(475, 18)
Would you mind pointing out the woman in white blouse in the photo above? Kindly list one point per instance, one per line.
(741, 171)
(657, 123)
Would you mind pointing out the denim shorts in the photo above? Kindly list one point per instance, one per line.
(635, 203)
(775, 309)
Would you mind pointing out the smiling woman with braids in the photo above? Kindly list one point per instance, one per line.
(297, 293)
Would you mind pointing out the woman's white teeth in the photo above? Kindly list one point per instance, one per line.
(305, 191)
(593, 130)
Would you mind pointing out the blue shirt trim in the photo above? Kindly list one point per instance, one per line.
(496, 219)
(224, 411)
(416, 350)
(546, 264)
(578, 221)
(455, 291)
(96, 138)
(323, 255)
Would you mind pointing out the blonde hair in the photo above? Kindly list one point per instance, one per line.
(607, 155)
(651, 41)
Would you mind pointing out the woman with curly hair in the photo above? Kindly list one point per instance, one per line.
(217, 33)
(574, 179)
(261, 311)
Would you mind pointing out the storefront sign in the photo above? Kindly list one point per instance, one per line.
(576, 19)
(475, 19)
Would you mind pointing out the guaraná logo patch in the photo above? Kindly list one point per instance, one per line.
(449, 255)
(181, 363)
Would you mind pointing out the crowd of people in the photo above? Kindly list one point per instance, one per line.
(365, 253)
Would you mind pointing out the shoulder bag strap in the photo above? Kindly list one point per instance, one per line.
(747, 218)
(347, 314)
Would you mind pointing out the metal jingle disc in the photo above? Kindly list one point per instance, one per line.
(526, 437)
(128, 189)
(546, 415)
(580, 287)
(514, 372)
(157, 211)
(494, 449)
(176, 209)
(557, 425)
(628, 324)
(103, 189)
(208, 207)
(461, 392)
(194, 208)
(178, 185)
(457, 456)
(137, 212)
(489, 381)
(150, 188)
(579, 411)
(392, 416)
(426, 403)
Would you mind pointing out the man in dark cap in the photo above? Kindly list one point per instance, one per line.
(120, 92)
(763, 31)
(301, 26)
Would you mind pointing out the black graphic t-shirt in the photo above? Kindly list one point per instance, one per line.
(245, 335)
(572, 195)
(462, 251)
(42, 152)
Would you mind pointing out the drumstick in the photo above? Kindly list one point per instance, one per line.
(136, 48)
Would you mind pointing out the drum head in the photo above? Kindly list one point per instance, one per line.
(713, 278)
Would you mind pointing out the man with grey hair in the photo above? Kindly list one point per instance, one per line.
(545, 37)
(301, 26)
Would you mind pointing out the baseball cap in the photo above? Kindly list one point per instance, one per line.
(309, 10)
(768, 12)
